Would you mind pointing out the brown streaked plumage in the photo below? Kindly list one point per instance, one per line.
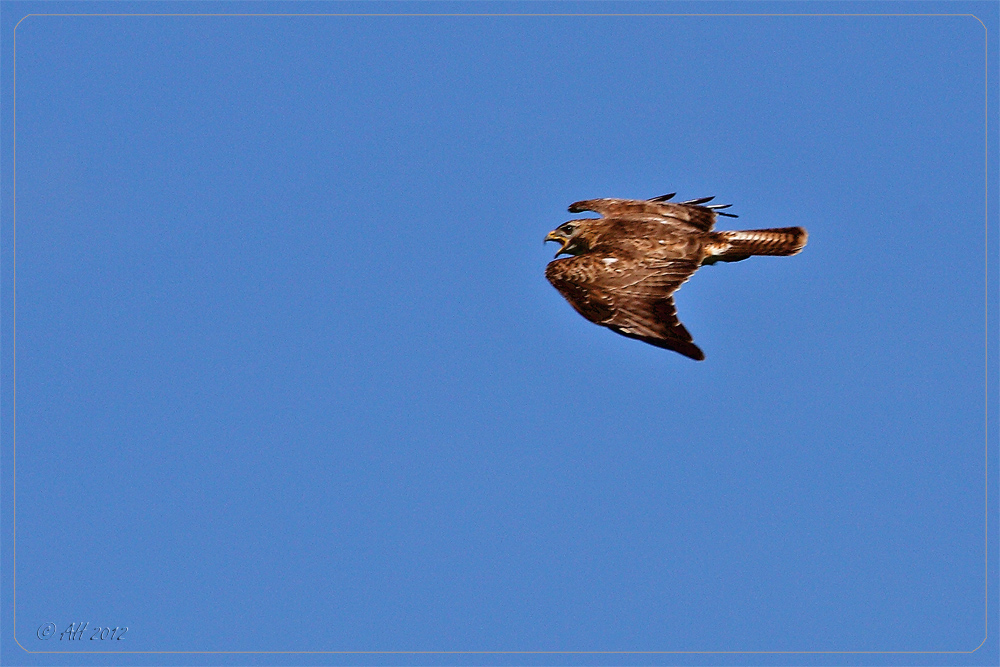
(625, 266)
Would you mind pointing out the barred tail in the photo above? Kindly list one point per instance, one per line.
(738, 245)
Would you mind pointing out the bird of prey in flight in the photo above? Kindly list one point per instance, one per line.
(624, 267)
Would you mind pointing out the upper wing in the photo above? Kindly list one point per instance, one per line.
(701, 218)
(629, 296)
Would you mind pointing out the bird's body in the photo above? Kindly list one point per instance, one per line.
(625, 266)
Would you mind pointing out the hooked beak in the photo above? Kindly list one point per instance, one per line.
(563, 241)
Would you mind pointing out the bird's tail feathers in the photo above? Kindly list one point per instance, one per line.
(738, 245)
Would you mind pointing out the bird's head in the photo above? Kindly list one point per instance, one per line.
(574, 236)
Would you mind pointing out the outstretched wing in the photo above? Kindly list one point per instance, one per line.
(632, 297)
(701, 218)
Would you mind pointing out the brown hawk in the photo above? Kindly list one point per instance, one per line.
(625, 266)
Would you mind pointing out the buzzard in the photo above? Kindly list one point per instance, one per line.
(624, 267)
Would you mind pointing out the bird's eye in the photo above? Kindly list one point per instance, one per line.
(569, 229)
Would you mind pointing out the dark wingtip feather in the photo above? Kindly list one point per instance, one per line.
(576, 207)
(678, 345)
(664, 197)
(717, 208)
(698, 202)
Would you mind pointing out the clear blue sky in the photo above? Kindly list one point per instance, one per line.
(289, 376)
